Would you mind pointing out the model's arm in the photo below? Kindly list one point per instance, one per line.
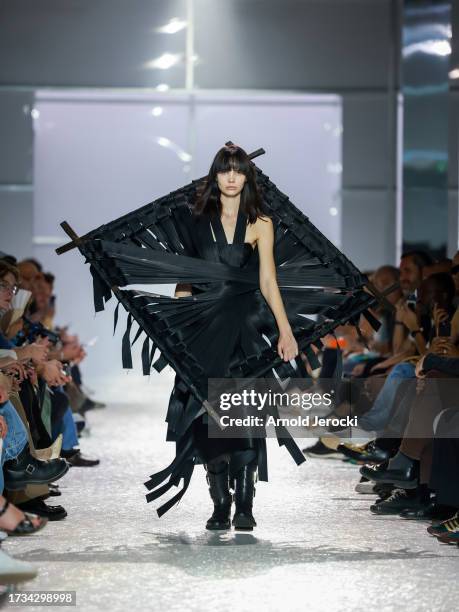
(287, 346)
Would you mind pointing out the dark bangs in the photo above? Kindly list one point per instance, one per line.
(231, 158)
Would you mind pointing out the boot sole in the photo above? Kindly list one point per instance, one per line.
(218, 528)
(243, 524)
(239, 528)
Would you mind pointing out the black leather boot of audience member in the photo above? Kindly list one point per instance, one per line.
(399, 501)
(243, 497)
(370, 454)
(26, 470)
(406, 477)
(76, 459)
(431, 511)
(218, 480)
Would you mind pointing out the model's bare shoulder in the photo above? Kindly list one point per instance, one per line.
(264, 226)
(264, 219)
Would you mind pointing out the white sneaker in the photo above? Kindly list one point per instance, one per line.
(13, 571)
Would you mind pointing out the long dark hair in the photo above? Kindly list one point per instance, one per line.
(208, 198)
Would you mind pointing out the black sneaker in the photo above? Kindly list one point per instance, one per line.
(320, 450)
(398, 501)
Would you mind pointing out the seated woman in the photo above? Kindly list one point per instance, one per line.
(20, 468)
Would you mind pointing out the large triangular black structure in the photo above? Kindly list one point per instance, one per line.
(320, 287)
(314, 278)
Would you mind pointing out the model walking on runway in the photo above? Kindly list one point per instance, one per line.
(249, 268)
(236, 231)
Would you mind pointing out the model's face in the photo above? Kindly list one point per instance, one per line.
(231, 182)
(410, 275)
(8, 288)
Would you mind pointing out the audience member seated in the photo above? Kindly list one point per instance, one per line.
(43, 404)
(412, 462)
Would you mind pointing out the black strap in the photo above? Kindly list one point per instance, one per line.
(146, 357)
(311, 357)
(240, 229)
(218, 230)
(115, 317)
(160, 363)
(372, 320)
(126, 345)
(102, 292)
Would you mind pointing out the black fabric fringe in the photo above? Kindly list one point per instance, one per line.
(155, 244)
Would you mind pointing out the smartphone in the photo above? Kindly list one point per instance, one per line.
(411, 302)
(444, 329)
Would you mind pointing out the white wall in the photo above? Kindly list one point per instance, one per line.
(97, 156)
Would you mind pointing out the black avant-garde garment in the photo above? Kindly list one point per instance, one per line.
(226, 328)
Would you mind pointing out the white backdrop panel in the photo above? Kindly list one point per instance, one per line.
(101, 155)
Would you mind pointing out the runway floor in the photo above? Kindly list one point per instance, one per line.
(317, 546)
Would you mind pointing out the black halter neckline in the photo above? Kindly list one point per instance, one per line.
(239, 230)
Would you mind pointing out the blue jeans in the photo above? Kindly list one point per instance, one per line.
(15, 439)
(378, 415)
(67, 428)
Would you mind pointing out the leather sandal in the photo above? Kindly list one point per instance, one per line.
(24, 527)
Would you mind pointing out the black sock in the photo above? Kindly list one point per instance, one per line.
(400, 462)
(423, 492)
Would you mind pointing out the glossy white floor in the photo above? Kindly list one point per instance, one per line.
(317, 547)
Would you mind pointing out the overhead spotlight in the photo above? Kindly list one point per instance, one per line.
(333, 211)
(164, 142)
(157, 111)
(181, 154)
(34, 113)
(184, 156)
(454, 74)
(173, 26)
(164, 61)
(162, 87)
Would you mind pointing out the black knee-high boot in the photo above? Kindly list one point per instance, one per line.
(243, 497)
(218, 479)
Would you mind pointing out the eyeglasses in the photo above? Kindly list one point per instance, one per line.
(4, 286)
